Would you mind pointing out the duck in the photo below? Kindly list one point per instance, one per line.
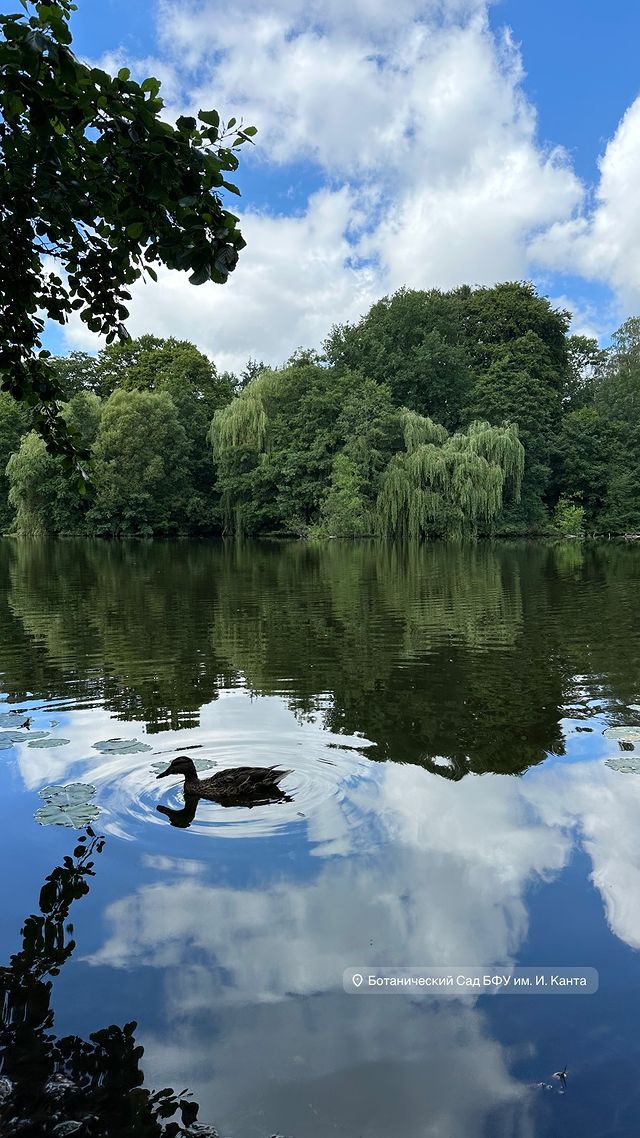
(238, 786)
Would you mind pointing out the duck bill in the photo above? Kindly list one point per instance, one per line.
(164, 773)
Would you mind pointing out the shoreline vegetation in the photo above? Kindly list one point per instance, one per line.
(464, 414)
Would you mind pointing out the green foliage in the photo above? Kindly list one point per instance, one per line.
(93, 177)
(344, 512)
(495, 317)
(275, 444)
(521, 386)
(586, 360)
(82, 415)
(14, 423)
(177, 368)
(584, 449)
(414, 342)
(319, 447)
(451, 488)
(568, 517)
(617, 401)
(139, 460)
(41, 494)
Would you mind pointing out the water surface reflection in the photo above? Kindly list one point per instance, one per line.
(402, 689)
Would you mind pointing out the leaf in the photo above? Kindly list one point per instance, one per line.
(152, 85)
(13, 719)
(52, 741)
(623, 734)
(120, 746)
(36, 40)
(135, 230)
(200, 276)
(624, 766)
(9, 738)
(211, 118)
(67, 805)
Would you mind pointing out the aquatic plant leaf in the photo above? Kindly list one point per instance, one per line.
(625, 766)
(67, 805)
(51, 741)
(13, 719)
(8, 738)
(120, 746)
(623, 734)
(199, 764)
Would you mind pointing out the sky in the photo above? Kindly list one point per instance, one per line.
(420, 143)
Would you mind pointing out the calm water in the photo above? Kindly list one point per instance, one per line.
(442, 712)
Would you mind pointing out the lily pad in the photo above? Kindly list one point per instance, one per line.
(199, 764)
(8, 738)
(67, 805)
(14, 718)
(120, 746)
(51, 741)
(623, 734)
(625, 766)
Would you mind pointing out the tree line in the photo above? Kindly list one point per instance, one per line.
(438, 414)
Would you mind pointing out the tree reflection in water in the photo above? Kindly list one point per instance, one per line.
(53, 1086)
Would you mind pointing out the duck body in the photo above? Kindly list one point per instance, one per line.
(238, 786)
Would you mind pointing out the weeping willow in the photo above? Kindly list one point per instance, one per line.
(448, 487)
(418, 430)
(245, 421)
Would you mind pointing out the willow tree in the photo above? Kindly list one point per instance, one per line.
(448, 486)
(303, 447)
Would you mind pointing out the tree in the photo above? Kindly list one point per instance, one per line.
(450, 487)
(197, 391)
(41, 493)
(275, 444)
(139, 459)
(414, 342)
(617, 400)
(506, 312)
(344, 512)
(92, 177)
(521, 386)
(14, 423)
(585, 450)
(33, 487)
(586, 361)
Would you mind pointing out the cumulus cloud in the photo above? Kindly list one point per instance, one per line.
(413, 119)
(604, 244)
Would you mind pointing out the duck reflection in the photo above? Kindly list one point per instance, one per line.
(239, 786)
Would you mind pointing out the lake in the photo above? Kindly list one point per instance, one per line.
(453, 803)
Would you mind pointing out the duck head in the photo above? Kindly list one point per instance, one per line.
(183, 766)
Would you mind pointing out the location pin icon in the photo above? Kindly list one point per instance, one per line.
(357, 979)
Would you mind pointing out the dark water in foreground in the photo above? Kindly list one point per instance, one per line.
(442, 712)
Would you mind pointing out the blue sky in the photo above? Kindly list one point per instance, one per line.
(426, 143)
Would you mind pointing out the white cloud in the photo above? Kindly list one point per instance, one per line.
(604, 243)
(293, 285)
(414, 116)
